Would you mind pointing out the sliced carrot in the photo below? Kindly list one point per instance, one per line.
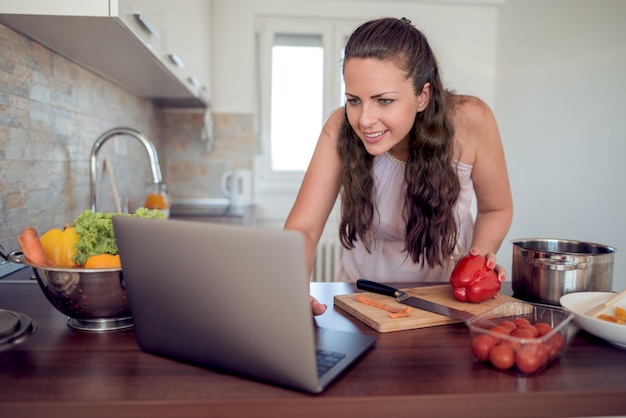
(360, 297)
(404, 314)
(394, 312)
(32, 248)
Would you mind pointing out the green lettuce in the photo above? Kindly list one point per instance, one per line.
(95, 232)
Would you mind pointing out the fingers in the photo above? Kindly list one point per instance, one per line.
(491, 263)
(490, 257)
(501, 273)
(316, 307)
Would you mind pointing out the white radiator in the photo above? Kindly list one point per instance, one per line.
(327, 261)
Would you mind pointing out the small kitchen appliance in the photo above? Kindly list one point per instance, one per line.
(237, 185)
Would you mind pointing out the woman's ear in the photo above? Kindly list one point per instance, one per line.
(424, 98)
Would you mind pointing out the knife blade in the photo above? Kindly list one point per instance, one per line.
(407, 299)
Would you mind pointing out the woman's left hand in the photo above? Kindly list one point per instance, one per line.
(491, 263)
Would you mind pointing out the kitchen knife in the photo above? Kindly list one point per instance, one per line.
(407, 299)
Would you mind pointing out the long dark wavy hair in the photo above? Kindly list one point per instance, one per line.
(431, 181)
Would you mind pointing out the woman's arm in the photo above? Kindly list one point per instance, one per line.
(479, 132)
(320, 188)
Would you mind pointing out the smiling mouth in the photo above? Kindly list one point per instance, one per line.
(374, 135)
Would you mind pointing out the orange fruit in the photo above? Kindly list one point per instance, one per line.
(156, 201)
(103, 261)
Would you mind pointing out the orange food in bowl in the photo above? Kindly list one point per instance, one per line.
(618, 318)
(103, 261)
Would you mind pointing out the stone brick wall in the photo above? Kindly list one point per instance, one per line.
(51, 113)
(194, 167)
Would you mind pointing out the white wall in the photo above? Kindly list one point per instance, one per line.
(463, 35)
(561, 106)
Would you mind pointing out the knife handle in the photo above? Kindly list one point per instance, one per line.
(376, 287)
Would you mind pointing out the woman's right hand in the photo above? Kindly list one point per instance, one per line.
(316, 307)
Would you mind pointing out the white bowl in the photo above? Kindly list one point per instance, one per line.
(579, 302)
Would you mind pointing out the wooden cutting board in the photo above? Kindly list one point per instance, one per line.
(442, 294)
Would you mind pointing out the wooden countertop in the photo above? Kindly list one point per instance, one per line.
(60, 372)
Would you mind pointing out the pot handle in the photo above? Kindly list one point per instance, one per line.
(562, 265)
(16, 257)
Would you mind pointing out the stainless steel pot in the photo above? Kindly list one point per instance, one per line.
(546, 269)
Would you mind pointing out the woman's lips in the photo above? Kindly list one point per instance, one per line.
(374, 137)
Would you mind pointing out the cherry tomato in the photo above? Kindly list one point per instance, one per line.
(531, 328)
(522, 333)
(521, 321)
(554, 345)
(530, 357)
(511, 344)
(499, 330)
(482, 346)
(543, 328)
(502, 356)
(543, 353)
(510, 325)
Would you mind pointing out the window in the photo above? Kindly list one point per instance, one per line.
(299, 86)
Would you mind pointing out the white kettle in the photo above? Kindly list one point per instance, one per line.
(237, 186)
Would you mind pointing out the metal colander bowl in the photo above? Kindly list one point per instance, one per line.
(93, 299)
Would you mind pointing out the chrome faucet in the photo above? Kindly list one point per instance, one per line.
(152, 155)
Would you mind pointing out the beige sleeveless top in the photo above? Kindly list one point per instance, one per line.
(388, 260)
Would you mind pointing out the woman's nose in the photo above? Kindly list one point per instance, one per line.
(368, 115)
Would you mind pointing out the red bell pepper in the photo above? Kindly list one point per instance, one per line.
(472, 281)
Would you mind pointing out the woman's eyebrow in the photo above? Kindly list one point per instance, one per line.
(376, 96)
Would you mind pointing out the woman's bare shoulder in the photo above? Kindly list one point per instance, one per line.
(470, 109)
(335, 119)
(474, 124)
(332, 126)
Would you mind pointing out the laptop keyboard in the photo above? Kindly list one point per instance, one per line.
(326, 360)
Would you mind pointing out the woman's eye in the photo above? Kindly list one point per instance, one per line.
(353, 101)
(385, 101)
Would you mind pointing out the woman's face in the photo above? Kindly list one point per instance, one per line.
(381, 104)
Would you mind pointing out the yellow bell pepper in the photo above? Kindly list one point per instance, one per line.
(59, 246)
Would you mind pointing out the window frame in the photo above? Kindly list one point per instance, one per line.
(333, 33)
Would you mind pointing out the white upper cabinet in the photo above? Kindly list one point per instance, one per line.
(187, 34)
(156, 49)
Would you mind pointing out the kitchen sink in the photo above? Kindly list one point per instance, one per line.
(201, 207)
(15, 272)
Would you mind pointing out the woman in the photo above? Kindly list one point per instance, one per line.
(407, 156)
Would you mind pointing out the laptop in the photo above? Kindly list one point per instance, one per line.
(230, 298)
